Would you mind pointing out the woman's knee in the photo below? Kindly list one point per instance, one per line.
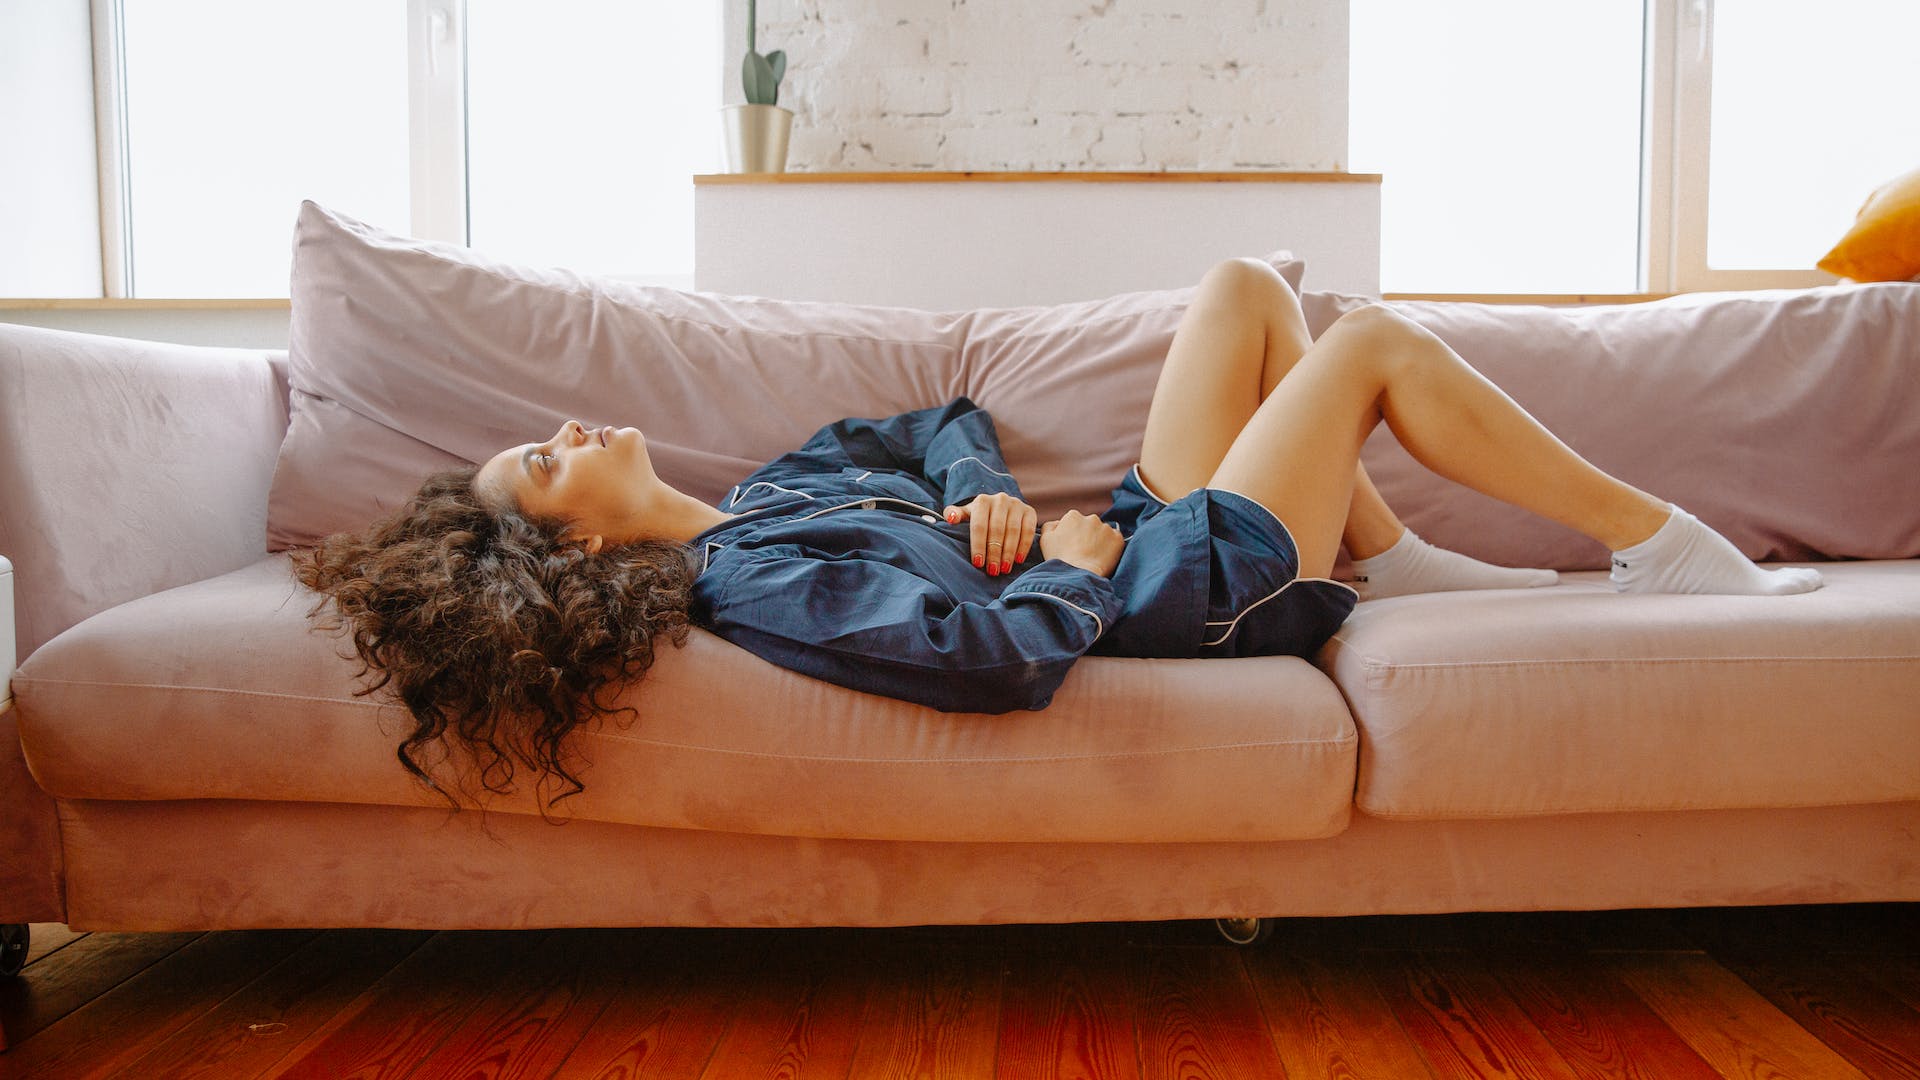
(1249, 280)
(1378, 320)
(1377, 333)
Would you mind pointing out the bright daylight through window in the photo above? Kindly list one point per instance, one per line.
(237, 110)
(1509, 133)
(1813, 107)
(585, 121)
(1508, 136)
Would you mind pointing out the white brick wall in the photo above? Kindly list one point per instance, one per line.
(1043, 85)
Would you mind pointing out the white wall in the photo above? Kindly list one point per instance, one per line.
(1056, 84)
(49, 197)
(965, 244)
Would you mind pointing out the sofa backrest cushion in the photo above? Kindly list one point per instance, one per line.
(407, 356)
(1789, 420)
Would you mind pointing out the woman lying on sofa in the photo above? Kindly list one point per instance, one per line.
(502, 601)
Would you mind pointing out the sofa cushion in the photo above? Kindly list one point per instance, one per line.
(219, 690)
(1789, 420)
(1576, 699)
(409, 355)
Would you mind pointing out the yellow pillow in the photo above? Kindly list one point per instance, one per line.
(1884, 243)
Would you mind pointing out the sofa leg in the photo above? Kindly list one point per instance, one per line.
(15, 939)
(1245, 931)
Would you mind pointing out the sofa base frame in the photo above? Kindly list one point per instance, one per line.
(199, 865)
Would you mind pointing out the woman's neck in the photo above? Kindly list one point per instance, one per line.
(681, 517)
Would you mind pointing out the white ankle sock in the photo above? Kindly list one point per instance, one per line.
(1412, 565)
(1686, 556)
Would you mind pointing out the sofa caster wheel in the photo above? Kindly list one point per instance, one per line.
(1248, 931)
(15, 938)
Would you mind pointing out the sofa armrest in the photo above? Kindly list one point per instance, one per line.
(30, 876)
(128, 467)
(8, 658)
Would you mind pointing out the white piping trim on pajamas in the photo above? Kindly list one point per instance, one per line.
(1235, 621)
(1231, 623)
(865, 504)
(855, 504)
(1152, 494)
(774, 486)
(1276, 517)
(983, 465)
(1290, 540)
(1099, 627)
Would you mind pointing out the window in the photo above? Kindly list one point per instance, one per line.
(585, 120)
(1754, 129)
(1803, 109)
(235, 111)
(564, 132)
(1507, 133)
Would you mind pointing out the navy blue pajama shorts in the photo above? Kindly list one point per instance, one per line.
(1213, 574)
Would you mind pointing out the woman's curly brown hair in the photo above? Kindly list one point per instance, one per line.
(497, 635)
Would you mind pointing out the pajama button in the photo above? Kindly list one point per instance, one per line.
(868, 504)
(929, 519)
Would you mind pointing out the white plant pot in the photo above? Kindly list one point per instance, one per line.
(757, 137)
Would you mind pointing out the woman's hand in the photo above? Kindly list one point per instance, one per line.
(1083, 540)
(1002, 530)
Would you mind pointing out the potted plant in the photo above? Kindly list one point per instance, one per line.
(757, 131)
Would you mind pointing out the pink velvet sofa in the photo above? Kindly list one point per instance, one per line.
(184, 751)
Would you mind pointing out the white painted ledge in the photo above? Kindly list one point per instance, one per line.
(961, 240)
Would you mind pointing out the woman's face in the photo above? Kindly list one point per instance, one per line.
(596, 478)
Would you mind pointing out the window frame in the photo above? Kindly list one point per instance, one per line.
(436, 124)
(1676, 56)
(1674, 186)
(437, 119)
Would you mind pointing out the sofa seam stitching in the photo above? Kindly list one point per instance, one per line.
(1393, 665)
(1335, 741)
(1620, 808)
(1313, 744)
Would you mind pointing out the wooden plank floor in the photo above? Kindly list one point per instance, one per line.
(1803, 993)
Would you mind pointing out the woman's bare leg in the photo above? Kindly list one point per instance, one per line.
(1371, 527)
(1239, 338)
(1297, 453)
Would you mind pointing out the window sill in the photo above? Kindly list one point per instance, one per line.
(99, 304)
(277, 303)
(907, 176)
(1533, 298)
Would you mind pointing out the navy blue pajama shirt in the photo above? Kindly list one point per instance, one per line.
(840, 564)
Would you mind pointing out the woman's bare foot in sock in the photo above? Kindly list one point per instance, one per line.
(1412, 565)
(1685, 556)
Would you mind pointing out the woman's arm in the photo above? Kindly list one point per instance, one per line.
(874, 627)
(954, 446)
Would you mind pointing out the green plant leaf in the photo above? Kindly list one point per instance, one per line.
(778, 59)
(756, 77)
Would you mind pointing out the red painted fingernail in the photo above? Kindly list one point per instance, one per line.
(979, 560)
